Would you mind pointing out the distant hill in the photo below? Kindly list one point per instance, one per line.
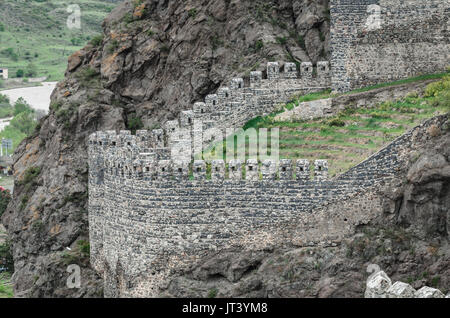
(36, 32)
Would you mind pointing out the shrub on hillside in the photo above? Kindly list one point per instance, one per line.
(20, 73)
(21, 106)
(4, 100)
(31, 70)
(97, 40)
(436, 88)
(336, 122)
(24, 122)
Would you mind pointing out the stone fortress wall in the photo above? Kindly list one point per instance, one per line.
(236, 104)
(144, 210)
(375, 41)
(149, 214)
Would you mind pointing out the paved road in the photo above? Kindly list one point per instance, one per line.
(38, 97)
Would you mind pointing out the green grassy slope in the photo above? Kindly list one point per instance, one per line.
(6, 290)
(354, 134)
(37, 32)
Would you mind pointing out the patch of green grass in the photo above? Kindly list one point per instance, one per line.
(6, 289)
(353, 134)
(134, 123)
(213, 293)
(192, 13)
(78, 255)
(258, 45)
(30, 175)
(400, 82)
(97, 40)
(282, 40)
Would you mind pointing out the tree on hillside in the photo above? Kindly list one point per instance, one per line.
(20, 73)
(21, 106)
(4, 99)
(31, 70)
(24, 122)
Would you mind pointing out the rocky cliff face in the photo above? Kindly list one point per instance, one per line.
(156, 57)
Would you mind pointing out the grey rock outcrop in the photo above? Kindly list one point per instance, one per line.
(379, 285)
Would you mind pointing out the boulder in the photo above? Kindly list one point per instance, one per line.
(377, 285)
(401, 290)
(428, 292)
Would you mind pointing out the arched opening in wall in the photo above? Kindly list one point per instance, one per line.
(217, 169)
(129, 143)
(100, 143)
(320, 168)
(202, 111)
(214, 102)
(302, 169)
(159, 137)
(189, 121)
(199, 169)
(226, 95)
(180, 170)
(114, 143)
(147, 169)
(163, 169)
(250, 168)
(283, 169)
(233, 168)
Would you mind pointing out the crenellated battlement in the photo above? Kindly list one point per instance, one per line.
(148, 167)
(230, 107)
(143, 156)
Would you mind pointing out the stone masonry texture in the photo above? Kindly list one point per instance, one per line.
(151, 216)
(143, 211)
(375, 41)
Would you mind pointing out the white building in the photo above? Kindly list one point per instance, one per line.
(4, 73)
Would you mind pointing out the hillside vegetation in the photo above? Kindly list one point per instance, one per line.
(355, 133)
(23, 122)
(35, 40)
